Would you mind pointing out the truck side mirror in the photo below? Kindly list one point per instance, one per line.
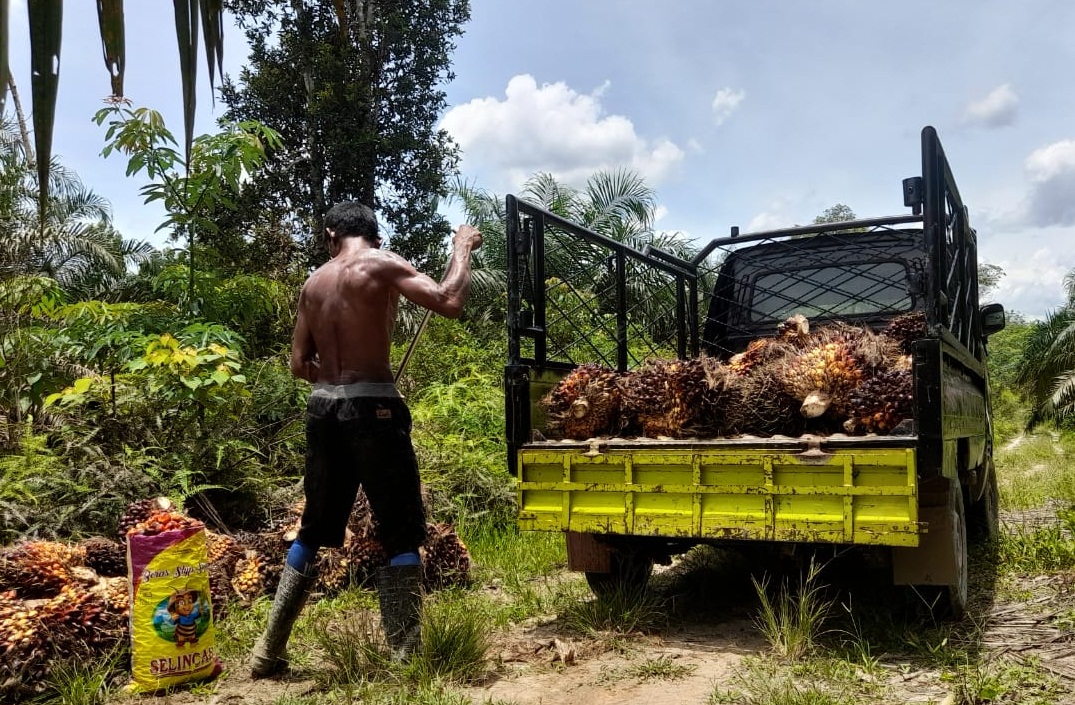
(993, 319)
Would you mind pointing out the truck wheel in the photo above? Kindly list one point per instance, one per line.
(630, 573)
(983, 516)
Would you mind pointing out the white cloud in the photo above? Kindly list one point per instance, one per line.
(998, 109)
(1052, 174)
(551, 128)
(768, 221)
(725, 103)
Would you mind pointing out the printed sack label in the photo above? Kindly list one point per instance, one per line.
(172, 636)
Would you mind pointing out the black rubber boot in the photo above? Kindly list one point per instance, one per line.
(270, 653)
(400, 590)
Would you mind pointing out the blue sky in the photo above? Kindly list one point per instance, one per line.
(757, 114)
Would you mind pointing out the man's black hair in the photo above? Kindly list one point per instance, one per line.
(352, 219)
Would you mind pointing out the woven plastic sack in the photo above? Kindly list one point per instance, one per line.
(172, 636)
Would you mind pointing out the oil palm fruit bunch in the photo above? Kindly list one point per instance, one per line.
(39, 568)
(365, 554)
(333, 570)
(445, 558)
(794, 330)
(164, 520)
(719, 394)
(140, 511)
(77, 617)
(106, 557)
(881, 402)
(222, 551)
(759, 405)
(585, 403)
(219, 590)
(906, 328)
(24, 646)
(117, 595)
(872, 352)
(251, 579)
(663, 397)
(821, 376)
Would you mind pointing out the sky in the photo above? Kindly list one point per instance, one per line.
(756, 114)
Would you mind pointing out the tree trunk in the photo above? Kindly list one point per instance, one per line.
(24, 132)
(313, 146)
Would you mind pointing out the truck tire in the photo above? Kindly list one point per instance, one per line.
(983, 516)
(630, 574)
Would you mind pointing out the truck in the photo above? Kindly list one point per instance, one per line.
(915, 495)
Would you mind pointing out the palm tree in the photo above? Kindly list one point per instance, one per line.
(617, 204)
(72, 241)
(1047, 369)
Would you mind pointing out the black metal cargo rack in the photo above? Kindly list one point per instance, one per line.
(577, 296)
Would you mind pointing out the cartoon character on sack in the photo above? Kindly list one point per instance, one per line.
(185, 609)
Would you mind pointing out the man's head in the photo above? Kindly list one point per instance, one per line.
(351, 219)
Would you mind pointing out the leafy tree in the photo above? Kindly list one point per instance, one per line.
(362, 124)
(46, 22)
(835, 214)
(989, 276)
(190, 188)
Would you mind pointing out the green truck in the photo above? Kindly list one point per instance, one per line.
(915, 494)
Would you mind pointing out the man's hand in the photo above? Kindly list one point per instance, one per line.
(467, 236)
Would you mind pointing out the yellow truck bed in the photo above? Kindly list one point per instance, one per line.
(862, 491)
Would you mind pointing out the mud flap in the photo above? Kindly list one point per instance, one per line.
(933, 561)
(586, 554)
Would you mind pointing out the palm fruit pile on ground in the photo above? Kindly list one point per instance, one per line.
(60, 601)
(839, 378)
(53, 608)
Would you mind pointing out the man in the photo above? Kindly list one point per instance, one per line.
(357, 425)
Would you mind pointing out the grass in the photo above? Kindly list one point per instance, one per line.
(663, 668)
(622, 611)
(1036, 470)
(765, 683)
(1002, 681)
(83, 681)
(792, 620)
(456, 639)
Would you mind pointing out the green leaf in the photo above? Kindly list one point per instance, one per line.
(46, 28)
(110, 18)
(82, 385)
(220, 377)
(213, 32)
(34, 378)
(192, 382)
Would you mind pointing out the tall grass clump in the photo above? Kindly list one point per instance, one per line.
(792, 619)
(456, 639)
(619, 611)
(352, 650)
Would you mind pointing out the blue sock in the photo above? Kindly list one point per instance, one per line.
(301, 557)
(406, 559)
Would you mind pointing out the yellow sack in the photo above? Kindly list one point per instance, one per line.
(172, 636)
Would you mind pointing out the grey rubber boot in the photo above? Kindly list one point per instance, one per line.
(270, 652)
(400, 590)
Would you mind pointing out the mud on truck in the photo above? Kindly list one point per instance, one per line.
(912, 490)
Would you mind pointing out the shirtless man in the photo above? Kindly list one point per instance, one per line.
(357, 425)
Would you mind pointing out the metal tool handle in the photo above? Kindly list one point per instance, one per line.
(413, 345)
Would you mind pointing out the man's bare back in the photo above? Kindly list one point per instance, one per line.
(347, 308)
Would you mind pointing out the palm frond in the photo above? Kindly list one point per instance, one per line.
(113, 44)
(46, 28)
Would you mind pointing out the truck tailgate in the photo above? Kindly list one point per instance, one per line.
(860, 491)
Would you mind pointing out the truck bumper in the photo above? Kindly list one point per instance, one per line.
(688, 490)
